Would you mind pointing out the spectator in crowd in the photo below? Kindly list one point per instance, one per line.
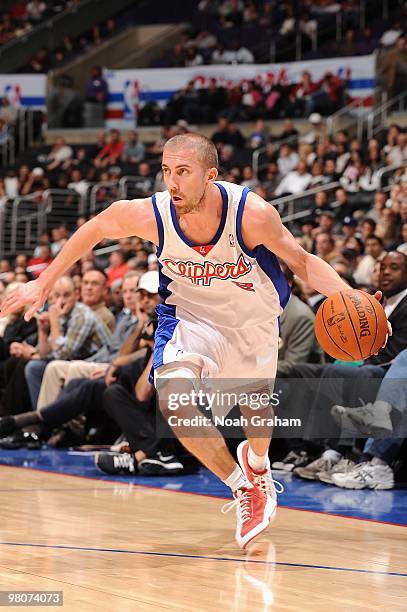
(325, 247)
(8, 111)
(134, 149)
(297, 339)
(374, 252)
(97, 90)
(41, 62)
(111, 152)
(60, 153)
(35, 10)
(69, 330)
(193, 57)
(287, 160)
(396, 68)
(300, 95)
(295, 181)
(379, 204)
(118, 266)
(36, 182)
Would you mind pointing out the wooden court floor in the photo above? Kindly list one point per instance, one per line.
(111, 547)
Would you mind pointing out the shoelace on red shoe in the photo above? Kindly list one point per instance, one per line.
(265, 483)
(241, 502)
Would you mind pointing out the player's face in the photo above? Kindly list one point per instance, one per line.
(185, 178)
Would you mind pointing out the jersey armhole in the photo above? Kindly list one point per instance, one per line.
(160, 225)
(239, 217)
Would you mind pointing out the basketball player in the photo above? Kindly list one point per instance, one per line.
(222, 290)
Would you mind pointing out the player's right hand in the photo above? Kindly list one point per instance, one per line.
(32, 293)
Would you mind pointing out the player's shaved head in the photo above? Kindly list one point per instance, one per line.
(202, 147)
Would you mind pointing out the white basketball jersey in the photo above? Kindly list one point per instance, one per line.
(223, 283)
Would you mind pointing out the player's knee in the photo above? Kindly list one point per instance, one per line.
(175, 389)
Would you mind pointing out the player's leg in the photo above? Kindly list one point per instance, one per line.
(261, 348)
(258, 429)
(205, 442)
(192, 428)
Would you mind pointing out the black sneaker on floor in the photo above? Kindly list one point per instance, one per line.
(116, 463)
(21, 439)
(7, 426)
(293, 460)
(160, 465)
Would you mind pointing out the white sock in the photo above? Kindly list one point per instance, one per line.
(257, 462)
(237, 480)
(378, 461)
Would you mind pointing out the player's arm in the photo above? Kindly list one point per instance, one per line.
(121, 219)
(261, 224)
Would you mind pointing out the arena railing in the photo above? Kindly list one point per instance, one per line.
(27, 223)
(8, 149)
(101, 195)
(376, 119)
(63, 206)
(256, 166)
(349, 117)
(5, 204)
(131, 187)
(26, 135)
(388, 169)
(286, 205)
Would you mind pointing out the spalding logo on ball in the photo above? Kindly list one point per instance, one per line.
(351, 325)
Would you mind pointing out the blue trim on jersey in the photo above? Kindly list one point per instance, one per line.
(239, 216)
(219, 230)
(267, 261)
(160, 226)
(167, 322)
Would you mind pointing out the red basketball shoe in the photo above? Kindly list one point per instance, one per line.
(262, 480)
(253, 511)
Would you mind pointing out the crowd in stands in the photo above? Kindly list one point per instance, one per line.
(246, 31)
(70, 47)
(226, 31)
(250, 100)
(19, 17)
(78, 372)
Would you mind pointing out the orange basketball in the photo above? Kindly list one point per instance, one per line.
(351, 325)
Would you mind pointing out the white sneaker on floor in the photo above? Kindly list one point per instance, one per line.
(323, 464)
(367, 475)
(342, 467)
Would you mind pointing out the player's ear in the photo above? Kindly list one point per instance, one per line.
(212, 174)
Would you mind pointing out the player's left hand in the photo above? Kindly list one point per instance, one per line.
(378, 296)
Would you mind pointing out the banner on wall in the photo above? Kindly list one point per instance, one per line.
(131, 88)
(24, 90)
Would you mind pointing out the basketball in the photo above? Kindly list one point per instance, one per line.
(351, 325)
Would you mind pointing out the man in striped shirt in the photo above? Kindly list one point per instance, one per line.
(68, 330)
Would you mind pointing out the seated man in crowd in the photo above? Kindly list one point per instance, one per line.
(93, 294)
(68, 330)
